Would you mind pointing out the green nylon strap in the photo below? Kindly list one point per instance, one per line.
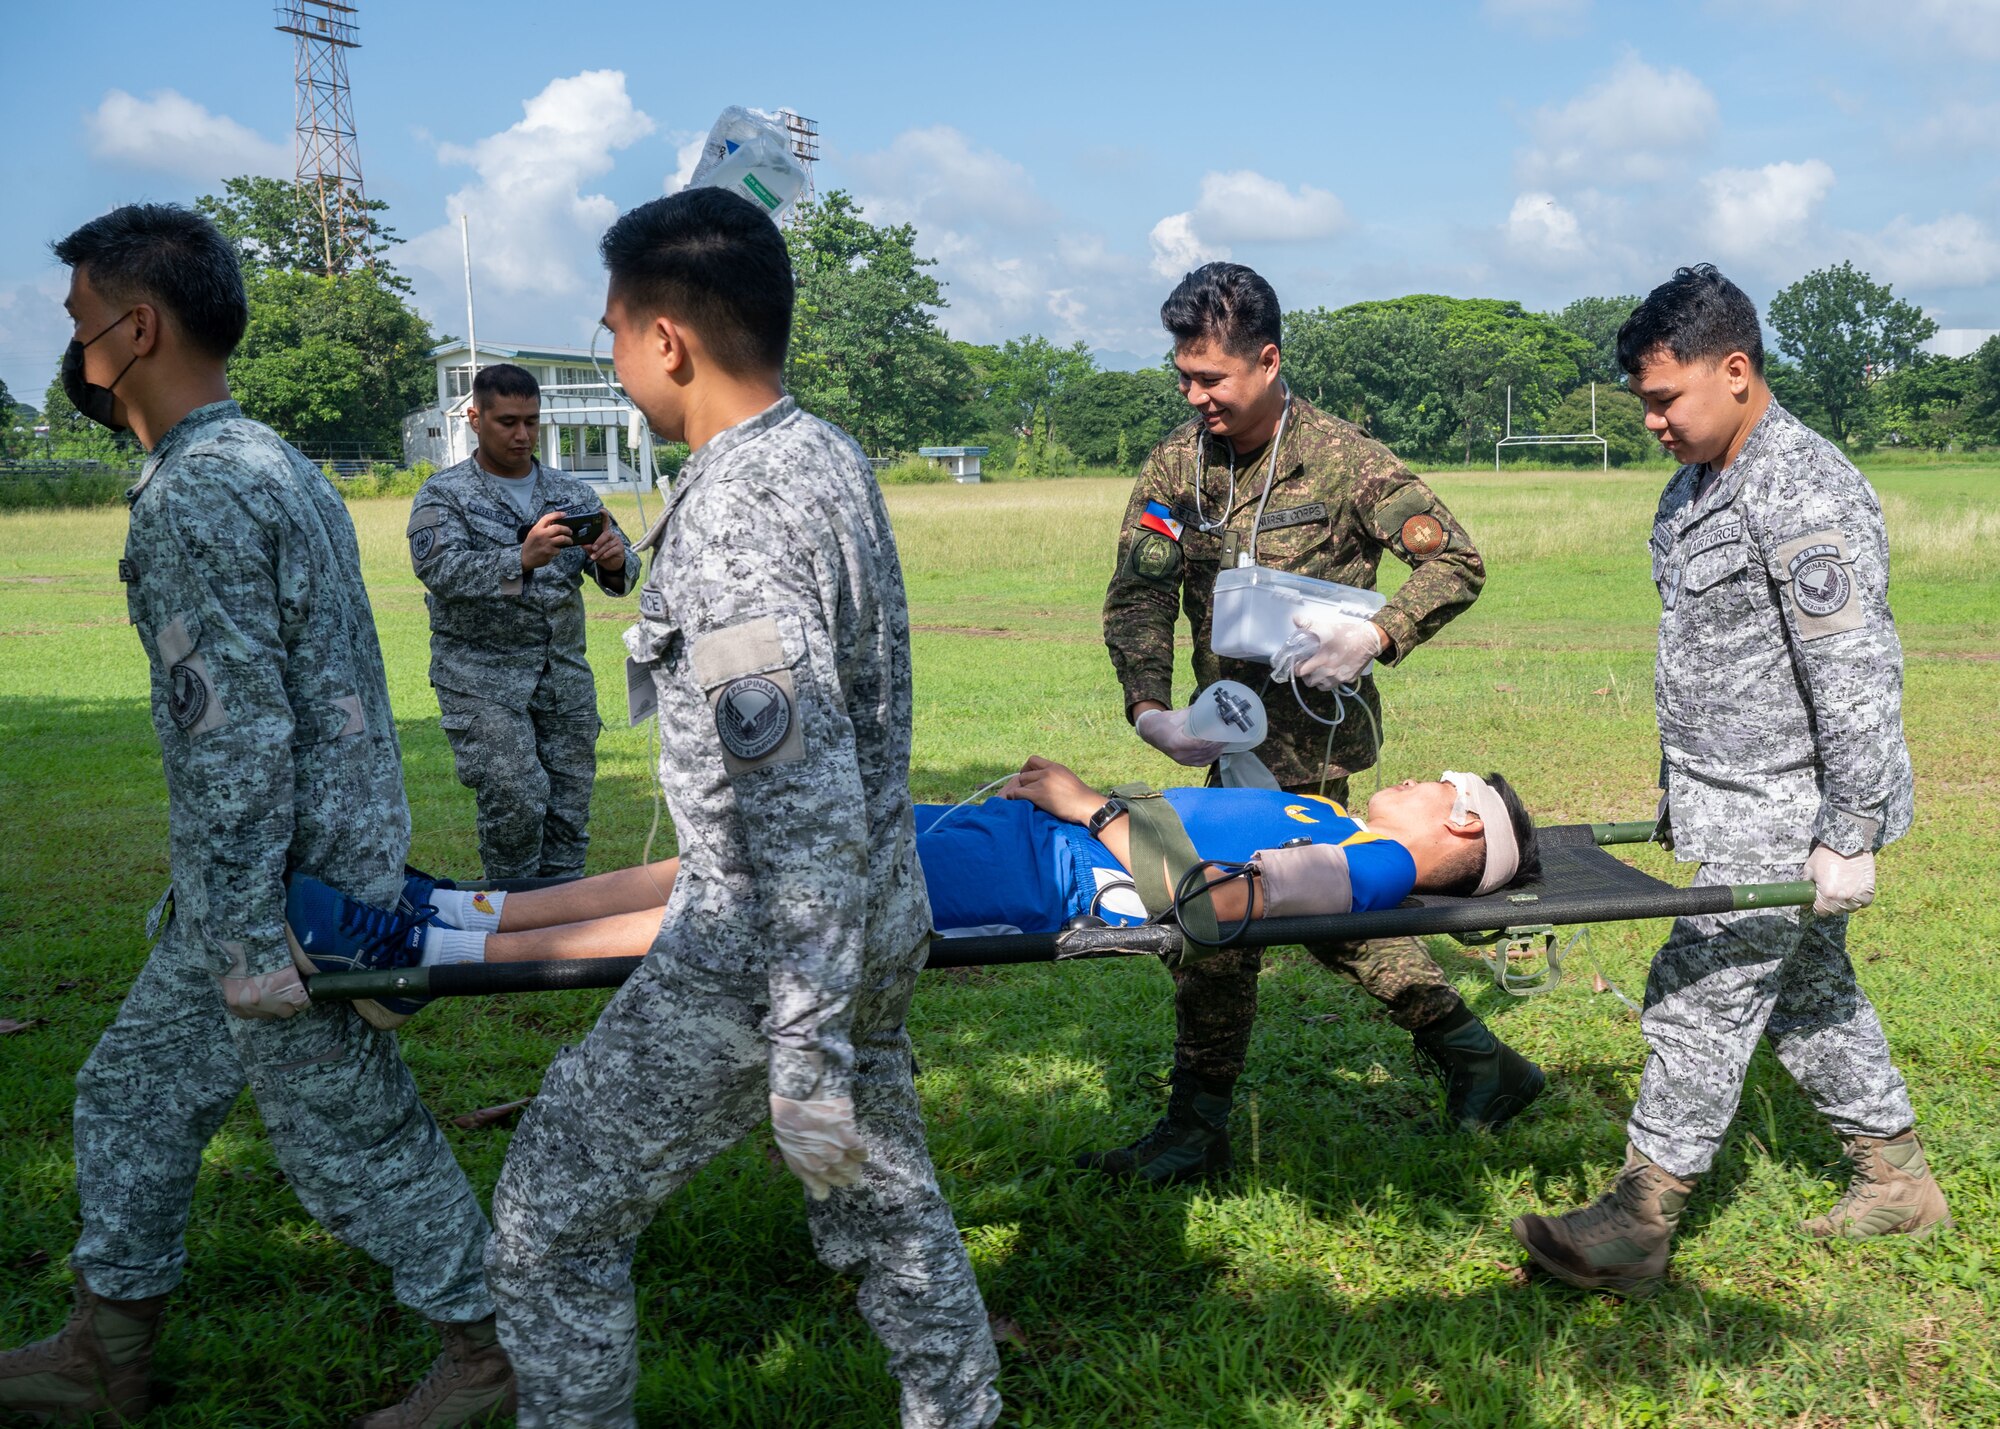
(1162, 854)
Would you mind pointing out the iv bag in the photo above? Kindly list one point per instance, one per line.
(748, 153)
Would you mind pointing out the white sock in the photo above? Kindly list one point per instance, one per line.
(451, 945)
(474, 910)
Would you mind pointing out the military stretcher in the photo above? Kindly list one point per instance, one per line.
(1579, 884)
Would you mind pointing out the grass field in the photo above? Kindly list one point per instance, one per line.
(1356, 1270)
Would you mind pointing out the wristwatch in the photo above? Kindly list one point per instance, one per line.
(1113, 807)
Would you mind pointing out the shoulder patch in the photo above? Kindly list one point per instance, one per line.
(1423, 535)
(1818, 572)
(1400, 505)
(752, 716)
(1155, 559)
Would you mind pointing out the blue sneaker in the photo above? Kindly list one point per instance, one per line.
(418, 887)
(332, 933)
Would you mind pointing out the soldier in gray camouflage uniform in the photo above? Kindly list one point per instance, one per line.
(1262, 472)
(505, 589)
(774, 631)
(1779, 694)
(272, 712)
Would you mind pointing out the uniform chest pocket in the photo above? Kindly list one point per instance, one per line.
(1713, 552)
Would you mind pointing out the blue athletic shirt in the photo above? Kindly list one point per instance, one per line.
(1005, 863)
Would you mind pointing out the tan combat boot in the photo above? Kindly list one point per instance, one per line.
(470, 1383)
(1892, 1193)
(92, 1371)
(1619, 1241)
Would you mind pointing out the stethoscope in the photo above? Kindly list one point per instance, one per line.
(1201, 520)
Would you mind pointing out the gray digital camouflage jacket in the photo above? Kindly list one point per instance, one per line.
(1779, 685)
(498, 632)
(773, 623)
(243, 579)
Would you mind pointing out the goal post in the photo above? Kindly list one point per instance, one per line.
(1562, 439)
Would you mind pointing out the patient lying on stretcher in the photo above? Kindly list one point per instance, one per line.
(1026, 861)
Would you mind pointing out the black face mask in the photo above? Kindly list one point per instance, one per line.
(95, 402)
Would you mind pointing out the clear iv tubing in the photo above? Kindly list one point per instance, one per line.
(991, 784)
(1341, 695)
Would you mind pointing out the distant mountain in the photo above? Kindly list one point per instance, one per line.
(1111, 360)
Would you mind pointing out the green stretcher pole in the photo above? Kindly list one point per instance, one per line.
(486, 979)
(1634, 833)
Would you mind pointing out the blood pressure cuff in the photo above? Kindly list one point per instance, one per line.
(1163, 855)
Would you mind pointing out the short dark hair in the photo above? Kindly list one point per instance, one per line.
(172, 257)
(504, 379)
(711, 259)
(1224, 303)
(1696, 315)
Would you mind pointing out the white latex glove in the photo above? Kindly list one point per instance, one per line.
(1166, 731)
(819, 1141)
(1844, 883)
(266, 995)
(1345, 648)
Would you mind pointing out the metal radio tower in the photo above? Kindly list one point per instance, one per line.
(329, 159)
(804, 136)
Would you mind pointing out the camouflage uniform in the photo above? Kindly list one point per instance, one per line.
(774, 627)
(1339, 500)
(272, 711)
(1779, 693)
(517, 697)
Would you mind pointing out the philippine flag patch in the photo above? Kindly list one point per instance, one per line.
(1160, 517)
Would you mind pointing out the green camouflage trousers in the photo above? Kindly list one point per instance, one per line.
(531, 772)
(1215, 997)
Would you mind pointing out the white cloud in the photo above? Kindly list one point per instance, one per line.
(1960, 127)
(170, 133)
(1955, 251)
(1242, 206)
(1753, 213)
(1541, 230)
(1176, 249)
(1637, 124)
(533, 226)
(1540, 17)
(938, 175)
(33, 330)
(1937, 29)
(687, 153)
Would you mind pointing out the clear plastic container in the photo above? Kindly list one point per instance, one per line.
(747, 152)
(1254, 606)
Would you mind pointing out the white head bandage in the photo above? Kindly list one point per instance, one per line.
(1503, 850)
(1230, 714)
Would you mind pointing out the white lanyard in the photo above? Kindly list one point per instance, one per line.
(1201, 520)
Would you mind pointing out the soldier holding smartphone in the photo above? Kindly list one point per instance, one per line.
(502, 544)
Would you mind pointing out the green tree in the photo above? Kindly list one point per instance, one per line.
(1982, 398)
(1845, 331)
(272, 227)
(866, 352)
(1924, 404)
(331, 359)
(74, 437)
(1104, 417)
(1621, 421)
(1430, 375)
(1031, 374)
(1596, 321)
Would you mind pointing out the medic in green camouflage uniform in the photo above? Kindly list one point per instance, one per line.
(279, 747)
(1327, 503)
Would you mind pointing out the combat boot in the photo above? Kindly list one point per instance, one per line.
(95, 1370)
(1189, 1143)
(1619, 1241)
(1892, 1193)
(1486, 1082)
(471, 1382)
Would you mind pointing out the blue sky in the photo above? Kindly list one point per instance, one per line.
(1064, 162)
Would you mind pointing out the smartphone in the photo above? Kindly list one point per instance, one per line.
(586, 528)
